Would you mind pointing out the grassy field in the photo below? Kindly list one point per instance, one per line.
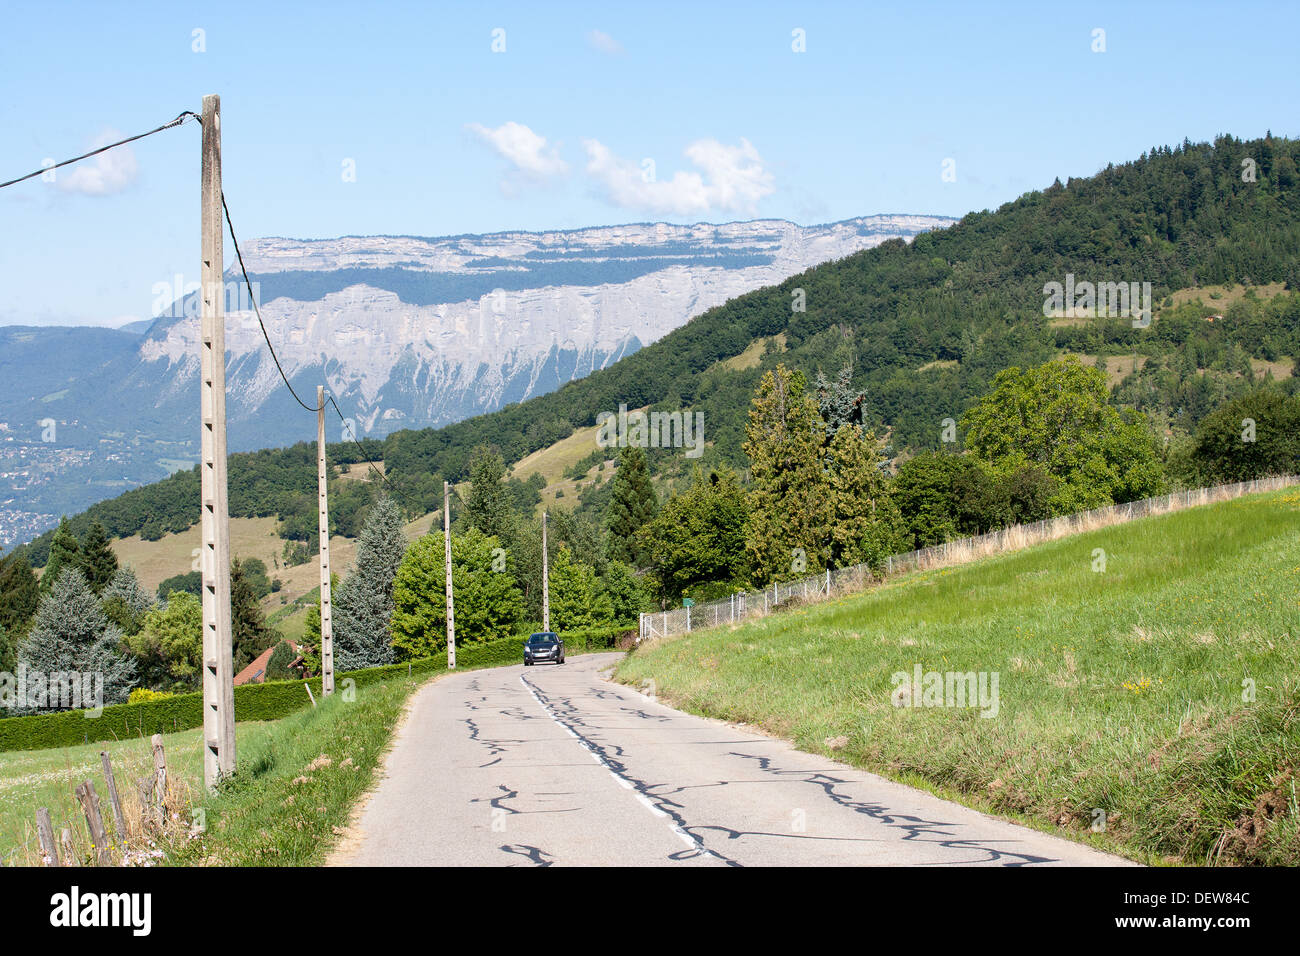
(155, 561)
(297, 782)
(1163, 691)
(47, 778)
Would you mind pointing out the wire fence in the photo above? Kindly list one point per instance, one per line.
(746, 605)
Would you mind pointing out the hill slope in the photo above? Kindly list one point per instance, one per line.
(1161, 692)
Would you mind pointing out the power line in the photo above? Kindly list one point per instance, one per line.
(103, 149)
(276, 358)
(361, 448)
(257, 311)
(180, 119)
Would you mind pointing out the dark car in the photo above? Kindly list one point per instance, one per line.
(543, 646)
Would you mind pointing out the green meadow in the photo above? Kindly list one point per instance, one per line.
(1151, 708)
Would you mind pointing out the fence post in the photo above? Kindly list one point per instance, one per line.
(69, 851)
(49, 849)
(119, 820)
(688, 618)
(90, 806)
(828, 582)
(159, 778)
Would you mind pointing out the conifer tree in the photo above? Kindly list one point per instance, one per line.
(20, 594)
(363, 606)
(633, 504)
(249, 632)
(8, 651)
(488, 604)
(487, 508)
(125, 601)
(788, 500)
(98, 562)
(65, 552)
(864, 525)
(71, 633)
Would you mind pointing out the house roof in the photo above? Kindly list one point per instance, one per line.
(255, 672)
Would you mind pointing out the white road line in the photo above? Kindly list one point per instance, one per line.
(689, 839)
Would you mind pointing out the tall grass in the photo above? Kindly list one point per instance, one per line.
(1125, 692)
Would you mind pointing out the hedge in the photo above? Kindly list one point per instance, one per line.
(269, 701)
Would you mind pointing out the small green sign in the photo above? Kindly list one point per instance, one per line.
(688, 602)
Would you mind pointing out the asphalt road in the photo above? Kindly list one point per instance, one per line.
(554, 764)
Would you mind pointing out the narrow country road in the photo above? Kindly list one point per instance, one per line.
(556, 765)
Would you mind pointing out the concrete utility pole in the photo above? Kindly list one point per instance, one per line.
(451, 611)
(326, 618)
(546, 580)
(218, 676)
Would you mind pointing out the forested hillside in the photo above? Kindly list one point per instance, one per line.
(924, 327)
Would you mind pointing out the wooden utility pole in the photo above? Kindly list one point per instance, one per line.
(546, 580)
(218, 676)
(326, 621)
(451, 611)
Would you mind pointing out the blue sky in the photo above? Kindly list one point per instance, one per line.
(448, 136)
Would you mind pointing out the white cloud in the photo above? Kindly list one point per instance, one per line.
(602, 41)
(101, 175)
(523, 149)
(730, 179)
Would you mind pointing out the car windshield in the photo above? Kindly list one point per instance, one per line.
(542, 639)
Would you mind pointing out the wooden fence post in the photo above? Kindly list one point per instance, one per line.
(159, 778)
(119, 819)
(49, 849)
(90, 806)
(69, 851)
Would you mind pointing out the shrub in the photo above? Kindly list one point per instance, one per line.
(142, 694)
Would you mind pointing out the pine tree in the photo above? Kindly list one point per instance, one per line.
(65, 552)
(487, 508)
(363, 606)
(788, 496)
(125, 601)
(20, 594)
(127, 586)
(865, 525)
(70, 633)
(98, 562)
(249, 632)
(8, 651)
(839, 402)
(633, 504)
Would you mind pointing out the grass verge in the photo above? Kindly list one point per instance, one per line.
(1161, 692)
(297, 782)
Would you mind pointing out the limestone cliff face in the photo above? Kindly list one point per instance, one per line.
(412, 332)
